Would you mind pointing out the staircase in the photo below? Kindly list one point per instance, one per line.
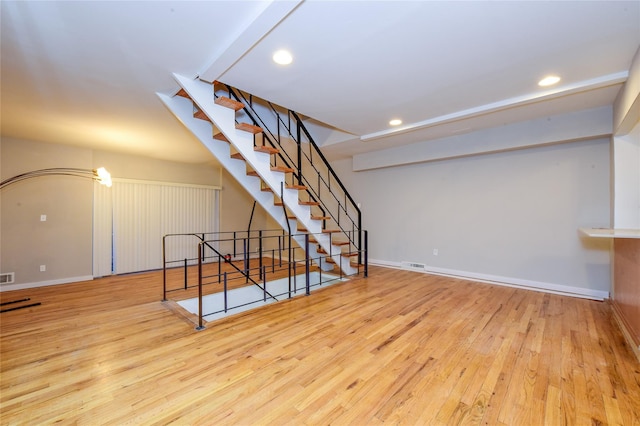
(270, 157)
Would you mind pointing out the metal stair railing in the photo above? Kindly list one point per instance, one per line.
(311, 167)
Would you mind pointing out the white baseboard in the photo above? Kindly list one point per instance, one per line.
(561, 289)
(22, 286)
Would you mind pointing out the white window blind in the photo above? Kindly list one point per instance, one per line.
(143, 212)
(102, 230)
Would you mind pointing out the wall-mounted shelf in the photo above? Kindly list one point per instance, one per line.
(610, 233)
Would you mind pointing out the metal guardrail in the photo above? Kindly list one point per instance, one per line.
(278, 254)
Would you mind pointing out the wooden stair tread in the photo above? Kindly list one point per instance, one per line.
(266, 149)
(221, 137)
(266, 189)
(201, 115)
(340, 243)
(330, 231)
(183, 93)
(253, 173)
(348, 254)
(320, 217)
(237, 156)
(218, 86)
(282, 169)
(278, 203)
(298, 187)
(246, 127)
(229, 103)
(308, 203)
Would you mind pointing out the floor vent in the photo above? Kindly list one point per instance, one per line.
(7, 278)
(413, 265)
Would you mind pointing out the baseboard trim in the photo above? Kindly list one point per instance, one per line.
(560, 289)
(22, 286)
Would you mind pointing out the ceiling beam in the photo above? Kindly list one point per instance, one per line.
(569, 89)
(251, 35)
(571, 127)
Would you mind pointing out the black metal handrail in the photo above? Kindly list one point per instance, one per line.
(274, 139)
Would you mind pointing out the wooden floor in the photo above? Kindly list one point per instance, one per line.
(398, 347)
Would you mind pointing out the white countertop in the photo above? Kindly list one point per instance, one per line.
(610, 233)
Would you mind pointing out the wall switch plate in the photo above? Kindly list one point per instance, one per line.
(435, 252)
(43, 218)
(43, 268)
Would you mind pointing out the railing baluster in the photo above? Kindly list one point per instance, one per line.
(226, 303)
(366, 253)
(185, 273)
(200, 321)
(164, 270)
(246, 259)
(306, 263)
(260, 252)
(264, 284)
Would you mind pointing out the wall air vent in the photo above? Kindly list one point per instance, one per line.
(7, 278)
(413, 265)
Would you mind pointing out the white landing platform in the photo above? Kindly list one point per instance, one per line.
(251, 297)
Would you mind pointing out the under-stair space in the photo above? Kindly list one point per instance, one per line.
(269, 152)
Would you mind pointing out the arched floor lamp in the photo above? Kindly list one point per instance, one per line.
(100, 175)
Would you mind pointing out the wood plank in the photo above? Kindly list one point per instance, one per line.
(398, 347)
(217, 86)
(298, 187)
(246, 127)
(229, 103)
(282, 169)
(201, 115)
(221, 137)
(349, 254)
(266, 149)
(183, 93)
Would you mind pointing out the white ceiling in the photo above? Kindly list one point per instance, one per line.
(87, 73)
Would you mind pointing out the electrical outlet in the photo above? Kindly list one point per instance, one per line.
(43, 268)
(435, 252)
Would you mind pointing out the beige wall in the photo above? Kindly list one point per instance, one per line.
(143, 168)
(64, 242)
(510, 217)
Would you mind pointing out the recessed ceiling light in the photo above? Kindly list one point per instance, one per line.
(395, 122)
(282, 57)
(549, 80)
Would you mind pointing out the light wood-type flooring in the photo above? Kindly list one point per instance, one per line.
(398, 347)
